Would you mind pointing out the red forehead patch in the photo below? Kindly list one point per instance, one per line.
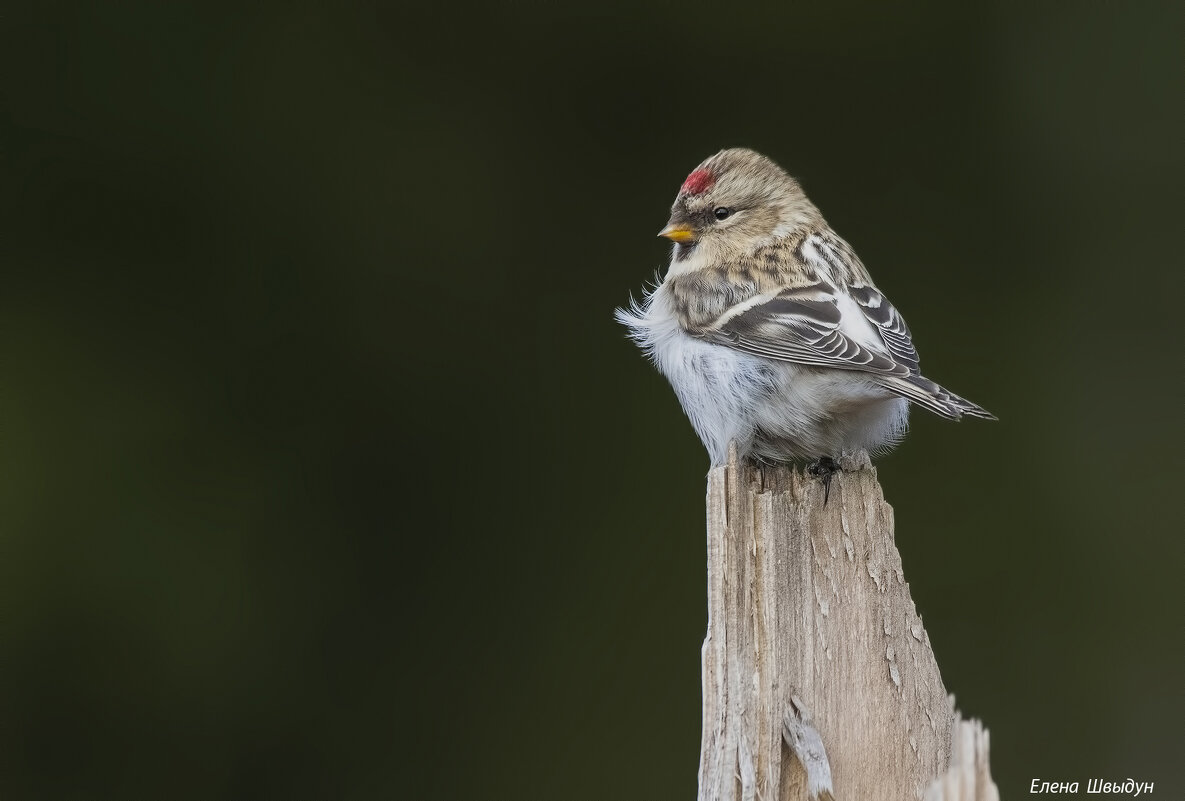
(699, 181)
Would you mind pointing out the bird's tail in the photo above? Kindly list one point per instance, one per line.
(937, 399)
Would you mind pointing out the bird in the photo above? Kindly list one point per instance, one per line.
(770, 328)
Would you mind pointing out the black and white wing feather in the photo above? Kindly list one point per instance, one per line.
(890, 325)
(820, 326)
(804, 325)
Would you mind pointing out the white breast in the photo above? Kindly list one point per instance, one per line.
(718, 387)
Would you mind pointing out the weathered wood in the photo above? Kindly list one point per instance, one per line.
(818, 677)
(969, 777)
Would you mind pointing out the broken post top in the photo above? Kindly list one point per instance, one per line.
(788, 477)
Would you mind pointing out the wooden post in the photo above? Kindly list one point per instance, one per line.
(818, 677)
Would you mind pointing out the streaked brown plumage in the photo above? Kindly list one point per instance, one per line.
(769, 327)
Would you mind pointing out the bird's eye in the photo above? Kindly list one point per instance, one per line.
(722, 213)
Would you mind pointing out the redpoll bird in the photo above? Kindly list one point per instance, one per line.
(771, 330)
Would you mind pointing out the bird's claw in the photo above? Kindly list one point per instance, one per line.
(824, 468)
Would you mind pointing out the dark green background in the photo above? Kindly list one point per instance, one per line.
(327, 473)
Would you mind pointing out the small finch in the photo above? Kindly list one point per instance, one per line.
(770, 329)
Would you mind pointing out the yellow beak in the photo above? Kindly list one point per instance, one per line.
(678, 233)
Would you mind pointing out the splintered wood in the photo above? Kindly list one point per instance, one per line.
(818, 677)
(969, 777)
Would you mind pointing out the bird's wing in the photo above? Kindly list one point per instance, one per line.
(821, 326)
(889, 324)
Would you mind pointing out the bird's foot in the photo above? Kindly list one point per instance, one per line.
(824, 468)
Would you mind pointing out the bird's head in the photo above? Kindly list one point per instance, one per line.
(736, 201)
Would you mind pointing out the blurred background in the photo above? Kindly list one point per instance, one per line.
(326, 472)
